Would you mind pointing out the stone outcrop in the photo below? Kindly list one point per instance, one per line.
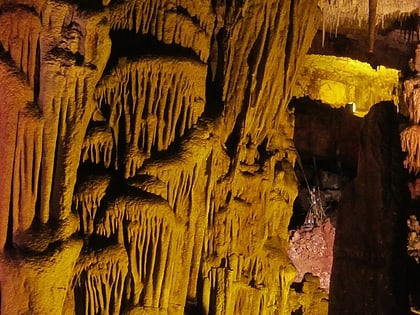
(368, 274)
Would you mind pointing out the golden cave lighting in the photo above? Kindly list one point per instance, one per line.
(336, 80)
(120, 194)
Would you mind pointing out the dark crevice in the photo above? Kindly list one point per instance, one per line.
(37, 71)
(5, 8)
(9, 234)
(263, 152)
(66, 56)
(122, 143)
(214, 81)
(130, 45)
(257, 60)
(233, 140)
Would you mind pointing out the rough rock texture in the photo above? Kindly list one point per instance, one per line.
(148, 162)
(368, 275)
(147, 155)
(308, 298)
(312, 252)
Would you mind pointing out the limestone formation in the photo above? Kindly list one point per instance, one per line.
(147, 155)
(117, 176)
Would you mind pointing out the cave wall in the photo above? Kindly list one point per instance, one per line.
(134, 136)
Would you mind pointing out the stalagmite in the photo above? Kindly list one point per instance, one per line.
(373, 5)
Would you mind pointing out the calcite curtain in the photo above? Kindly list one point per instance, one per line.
(146, 155)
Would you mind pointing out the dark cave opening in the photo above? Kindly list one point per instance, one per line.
(131, 45)
(327, 155)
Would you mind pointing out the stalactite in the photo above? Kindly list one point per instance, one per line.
(158, 101)
(190, 27)
(236, 229)
(19, 34)
(249, 68)
(98, 145)
(410, 143)
(15, 97)
(182, 171)
(189, 177)
(280, 200)
(87, 199)
(148, 227)
(245, 219)
(60, 112)
(98, 281)
(248, 285)
(151, 244)
(27, 162)
(158, 98)
(72, 66)
(345, 14)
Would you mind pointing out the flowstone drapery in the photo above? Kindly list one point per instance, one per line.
(152, 179)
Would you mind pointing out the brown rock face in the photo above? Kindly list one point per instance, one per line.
(368, 274)
(147, 166)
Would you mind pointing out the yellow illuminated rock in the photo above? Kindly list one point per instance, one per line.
(147, 155)
(337, 81)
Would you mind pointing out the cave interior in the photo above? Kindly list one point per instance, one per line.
(209, 157)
